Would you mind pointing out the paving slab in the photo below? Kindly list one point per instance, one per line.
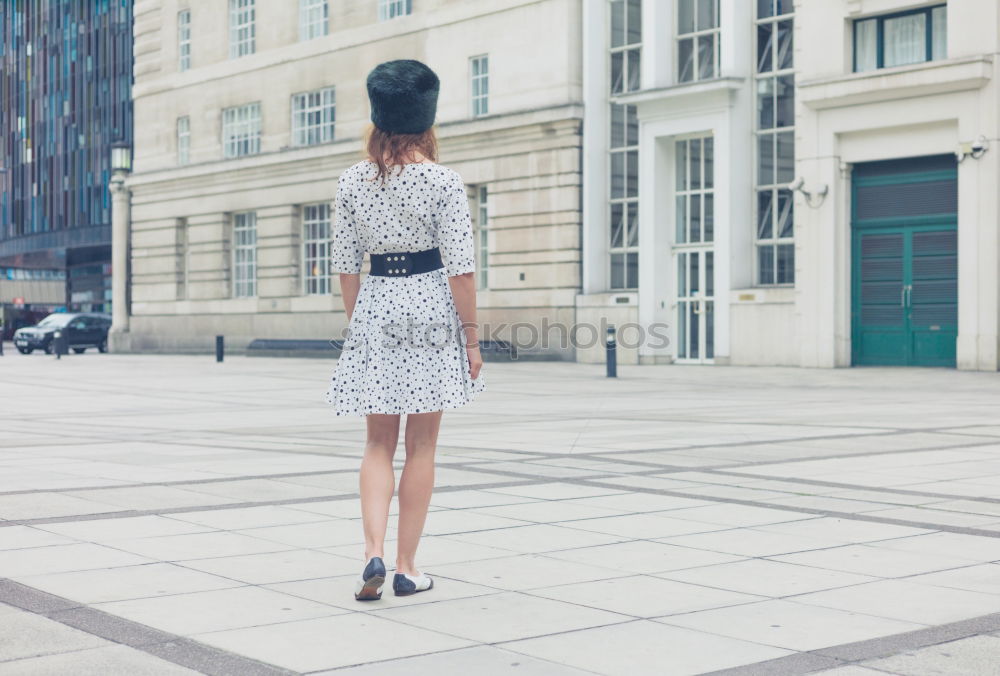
(677, 519)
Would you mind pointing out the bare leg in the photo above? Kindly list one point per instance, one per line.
(378, 480)
(416, 486)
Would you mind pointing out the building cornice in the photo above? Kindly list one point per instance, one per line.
(681, 92)
(903, 82)
(456, 135)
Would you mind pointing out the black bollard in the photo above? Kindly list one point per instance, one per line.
(59, 344)
(220, 348)
(612, 349)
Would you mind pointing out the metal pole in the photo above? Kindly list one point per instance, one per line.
(612, 350)
(220, 348)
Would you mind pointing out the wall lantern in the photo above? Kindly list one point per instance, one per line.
(121, 157)
(798, 185)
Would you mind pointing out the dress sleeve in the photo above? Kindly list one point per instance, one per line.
(346, 252)
(455, 229)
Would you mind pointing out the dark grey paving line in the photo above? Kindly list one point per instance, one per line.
(170, 647)
(857, 487)
(179, 482)
(127, 513)
(845, 456)
(214, 480)
(962, 530)
(862, 651)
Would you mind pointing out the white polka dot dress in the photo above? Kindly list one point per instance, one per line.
(404, 351)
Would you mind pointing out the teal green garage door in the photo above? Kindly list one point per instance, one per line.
(904, 306)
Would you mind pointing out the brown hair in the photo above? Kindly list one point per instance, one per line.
(388, 149)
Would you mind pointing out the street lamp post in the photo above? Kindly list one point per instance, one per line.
(121, 166)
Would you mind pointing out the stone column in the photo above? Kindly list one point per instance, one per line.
(120, 217)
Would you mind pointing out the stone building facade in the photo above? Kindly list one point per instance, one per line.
(248, 110)
(766, 182)
(814, 182)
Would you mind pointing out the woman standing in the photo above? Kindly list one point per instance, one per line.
(412, 346)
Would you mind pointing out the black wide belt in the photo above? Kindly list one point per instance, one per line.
(406, 263)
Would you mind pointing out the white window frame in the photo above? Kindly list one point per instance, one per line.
(241, 130)
(242, 28)
(701, 192)
(935, 37)
(244, 254)
(184, 259)
(695, 37)
(314, 19)
(625, 58)
(314, 117)
(316, 247)
(184, 40)
(391, 9)
(777, 189)
(479, 84)
(184, 140)
(482, 237)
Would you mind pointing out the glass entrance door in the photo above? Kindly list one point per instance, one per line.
(693, 253)
(696, 305)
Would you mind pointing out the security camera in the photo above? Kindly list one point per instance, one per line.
(979, 147)
(797, 184)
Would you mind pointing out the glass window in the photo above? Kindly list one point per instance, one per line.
(313, 117)
(865, 45)
(183, 140)
(314, 19)
(771, 8)
(901, 39)
(939, 33)
(184, 40)
(697, 40)
(482, 237)
(480, 74)
(390, 9)
(905, 39)
(242, 28)
(625, 70)
(695, 212)
(241, 130)
(775, 165)
(245, 254)
(316, 248)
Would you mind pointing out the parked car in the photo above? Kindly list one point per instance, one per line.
(81, 329)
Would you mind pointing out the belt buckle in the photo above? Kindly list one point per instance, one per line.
(398, 265)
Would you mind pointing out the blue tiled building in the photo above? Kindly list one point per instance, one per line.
(65, 97)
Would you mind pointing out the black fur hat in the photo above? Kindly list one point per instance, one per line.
(403, 96)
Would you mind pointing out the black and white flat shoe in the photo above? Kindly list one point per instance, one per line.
(404, 585)
(368, 586)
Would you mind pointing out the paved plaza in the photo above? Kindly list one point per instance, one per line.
(171, 515)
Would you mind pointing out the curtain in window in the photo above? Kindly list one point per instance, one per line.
(866, 45)
(939, 33)
(905, 40)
